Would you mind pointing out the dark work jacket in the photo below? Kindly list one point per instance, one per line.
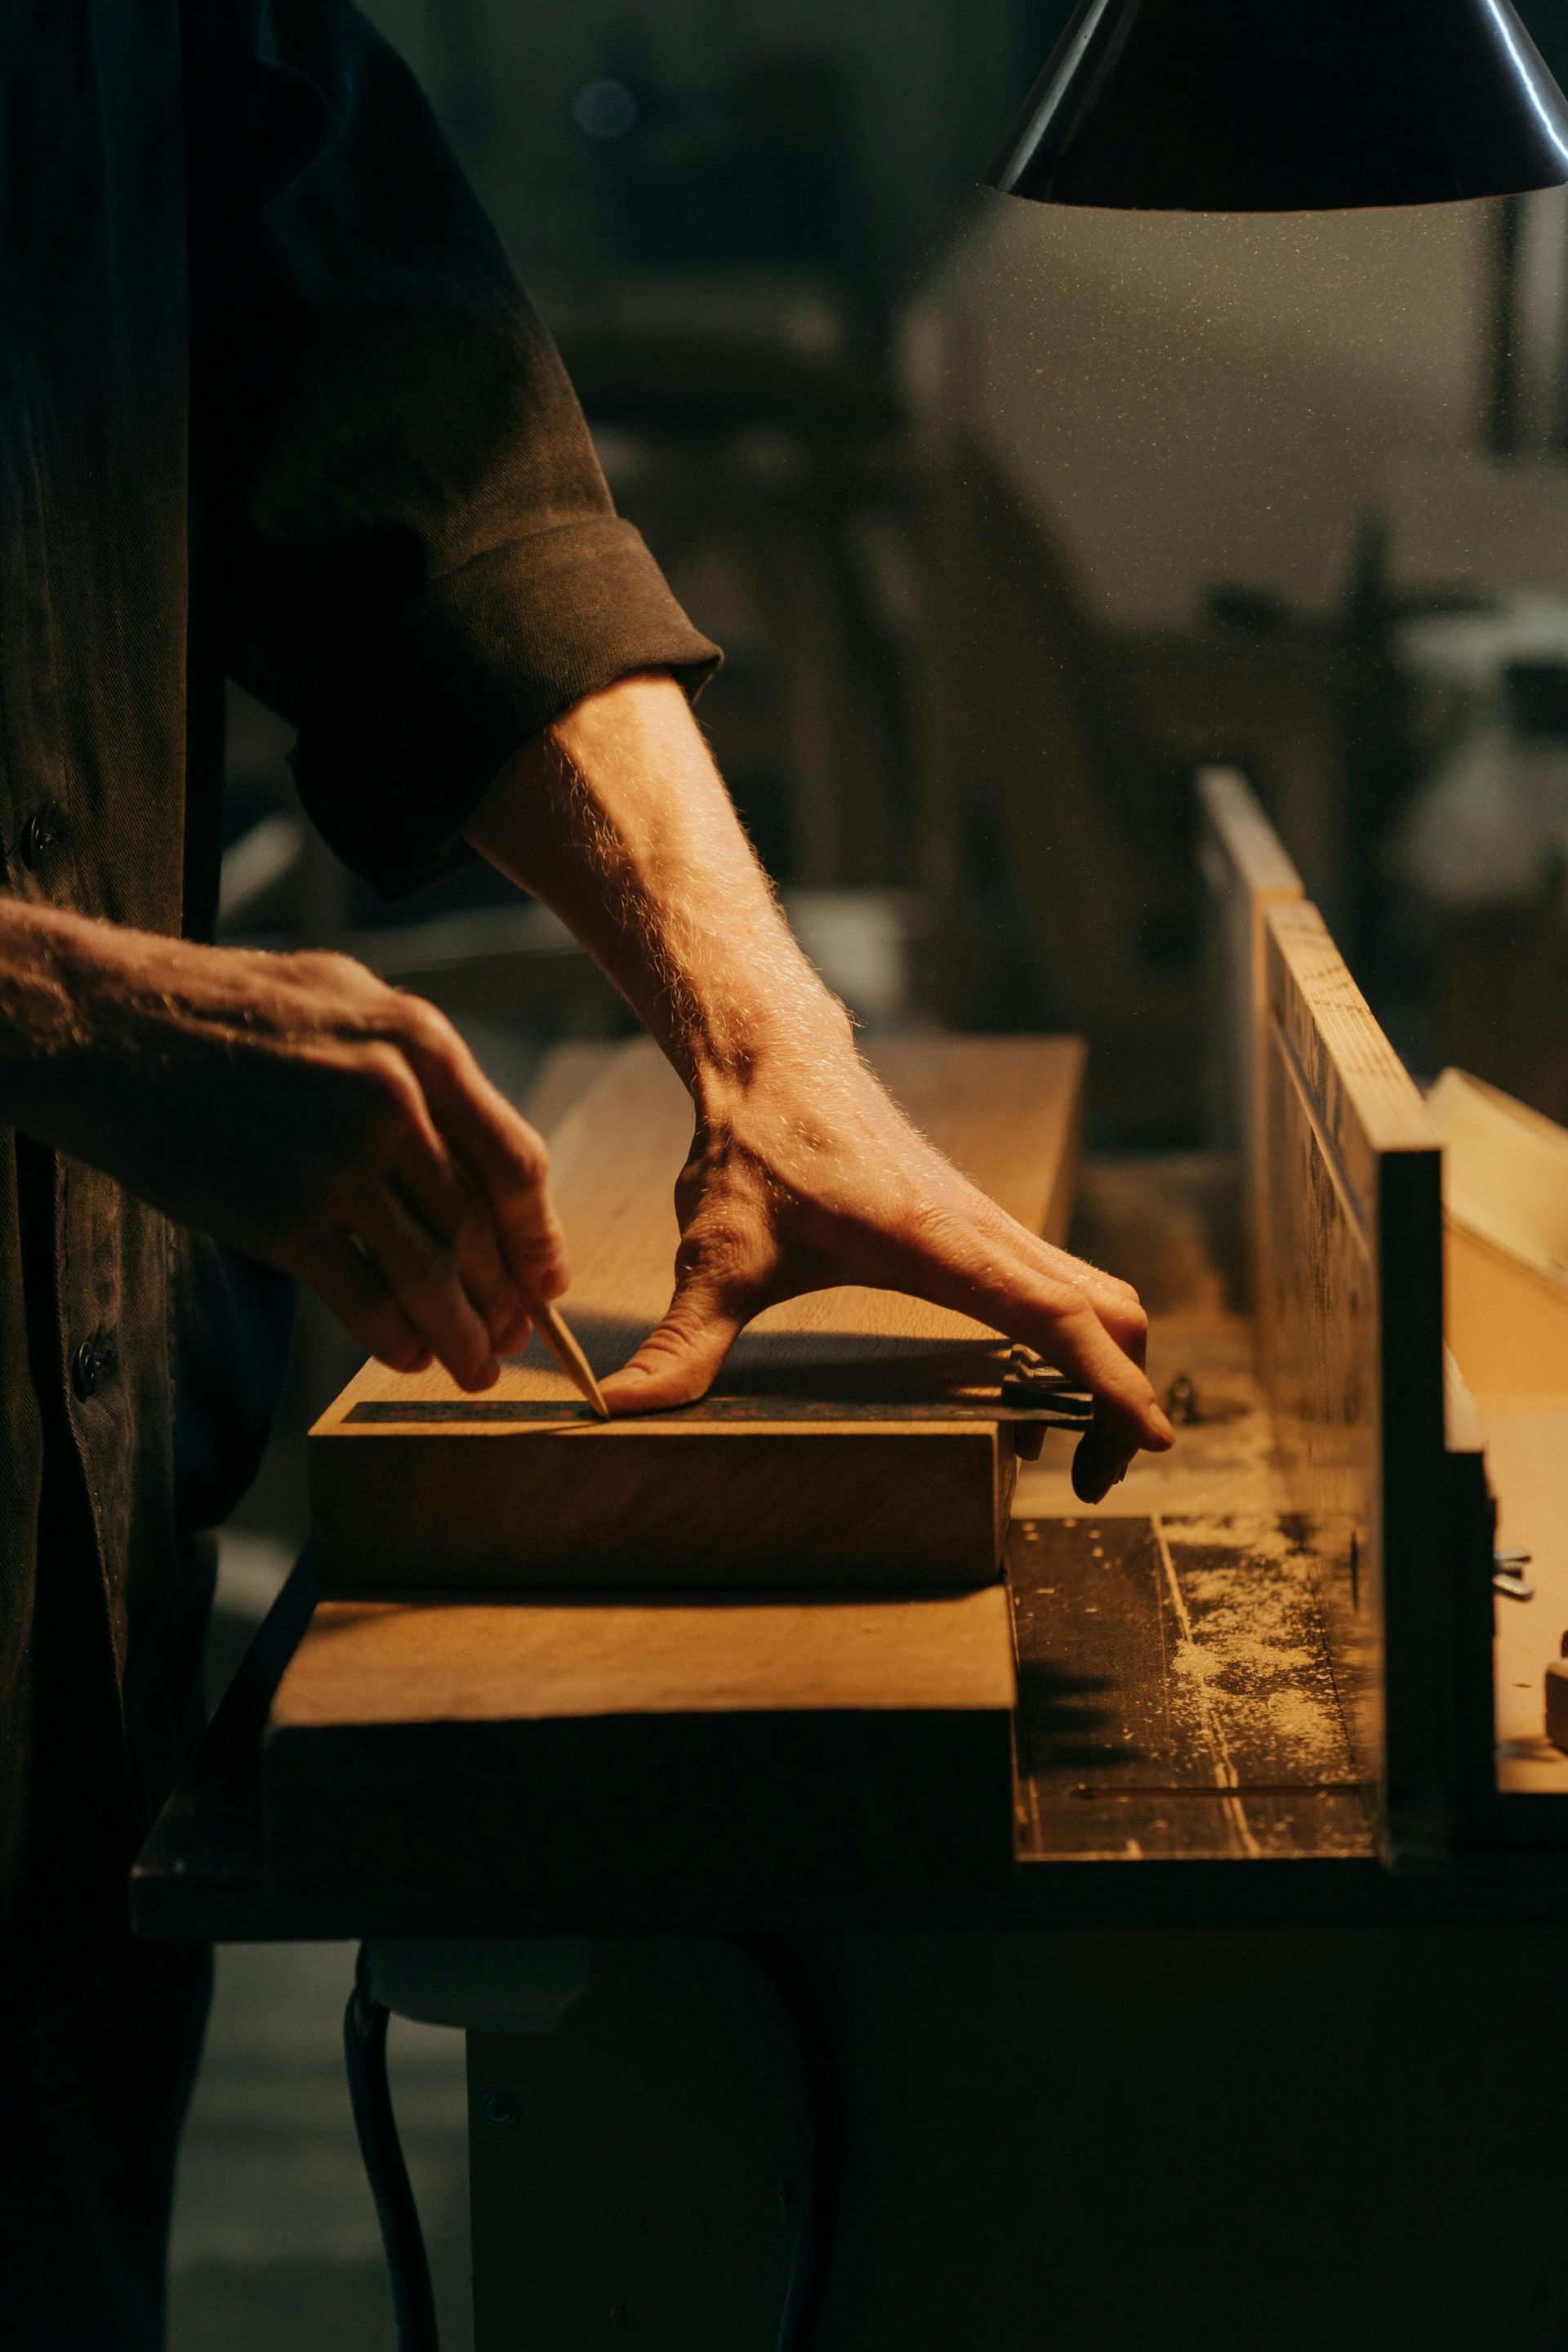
(273, 405)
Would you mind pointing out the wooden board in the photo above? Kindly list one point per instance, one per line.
(627, 1759)
(1505, 1204)
(1351, 1318)
(561, 1080)
(1245, 871)
(1505, 1201)
(901, 1497)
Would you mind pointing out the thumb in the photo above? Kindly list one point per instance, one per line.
(680, 1361)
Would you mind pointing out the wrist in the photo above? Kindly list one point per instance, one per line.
(743, 1053)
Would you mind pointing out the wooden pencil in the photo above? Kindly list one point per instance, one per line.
(552, 1328)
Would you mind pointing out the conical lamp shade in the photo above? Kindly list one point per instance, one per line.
(1288, 106)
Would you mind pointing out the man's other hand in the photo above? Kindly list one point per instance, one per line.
(299, 1107)
(808, 1176)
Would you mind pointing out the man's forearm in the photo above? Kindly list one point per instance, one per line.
(45, 956)
(806, 1176)
(88, 1007)
(618, 820)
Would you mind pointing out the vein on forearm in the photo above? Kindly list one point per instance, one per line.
(618, 820)
(641, 911)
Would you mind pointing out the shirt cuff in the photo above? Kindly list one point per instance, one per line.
(476, 667)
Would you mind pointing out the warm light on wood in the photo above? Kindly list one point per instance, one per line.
(467, 1498)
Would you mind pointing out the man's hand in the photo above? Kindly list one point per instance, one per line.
(298, 1108)
(812, 1177)
(804, 1175)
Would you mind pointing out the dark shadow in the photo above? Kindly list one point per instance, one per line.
(839, 1367)
(1059, 1726)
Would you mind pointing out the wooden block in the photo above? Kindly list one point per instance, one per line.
(1505, 1200)
(804, 1496)
(488, 1768)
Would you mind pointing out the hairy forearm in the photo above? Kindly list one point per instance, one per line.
(48, 958)
(617, 819)
(806, 1176)
(87, 1007)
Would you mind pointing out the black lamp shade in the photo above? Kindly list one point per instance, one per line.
(1288, 106)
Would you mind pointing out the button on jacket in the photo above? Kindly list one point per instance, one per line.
(273, 405)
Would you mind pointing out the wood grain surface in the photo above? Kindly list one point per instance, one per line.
(1505, 1204)
(627, 1760)
(1245, 871)
(1352, 1318)
(658, 1502)
(1176, 1695)
(384, 1663)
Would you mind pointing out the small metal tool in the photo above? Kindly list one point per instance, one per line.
(1509, 1577)
(1052, 1397)
(550, 1325)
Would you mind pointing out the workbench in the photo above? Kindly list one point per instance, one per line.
(1229, 1711)
(1140, 1799)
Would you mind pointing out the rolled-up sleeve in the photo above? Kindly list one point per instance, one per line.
(402, 527)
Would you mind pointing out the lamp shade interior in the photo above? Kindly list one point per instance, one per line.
(1265, 106)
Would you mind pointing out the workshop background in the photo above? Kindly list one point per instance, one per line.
(1006, 516)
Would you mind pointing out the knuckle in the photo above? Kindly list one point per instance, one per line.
(530, 1179)
(396, 1346)
(672, 1341)
(419, 1022)
(1075, 1313)
(540, 1251)
(387, 1068)
(720, 1251)
(299, 1210)
(524, 1215)
(530, 1160)
(432, 1265)
(341, 1202)
(392, 1096)
(690, 1187)
(932, 1224)
(534, 1152)
(328, 969)
(473, 1235)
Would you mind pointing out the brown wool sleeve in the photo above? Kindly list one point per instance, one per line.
(397, 755)
(401, 521)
